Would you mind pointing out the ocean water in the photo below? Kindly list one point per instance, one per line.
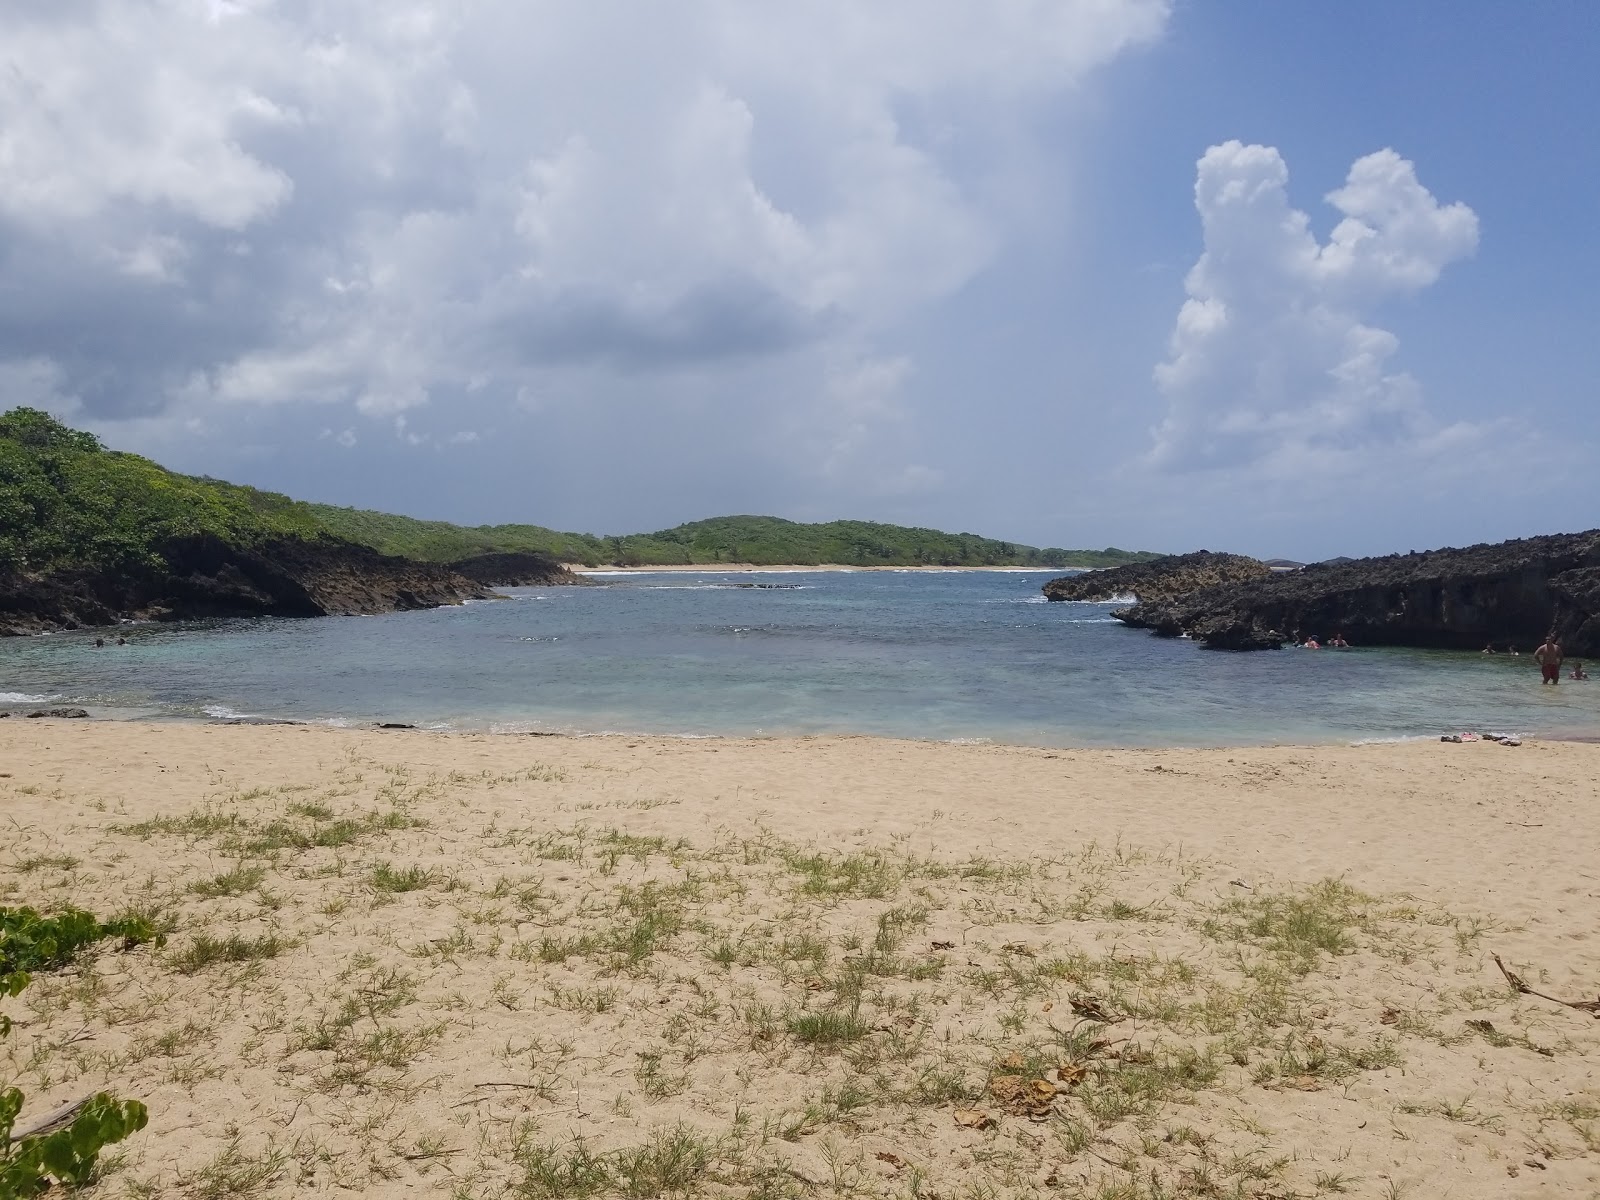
(959, 655)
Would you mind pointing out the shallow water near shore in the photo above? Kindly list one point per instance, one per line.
(969, 655)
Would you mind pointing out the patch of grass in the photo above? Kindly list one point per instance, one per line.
(230, 883)
(233, 1173)
(206, 951)
(1297, 927)
(46, 862)
(653, 1077)
(828, 1029)
(870, 875)
(388, 878)
(671, 1163)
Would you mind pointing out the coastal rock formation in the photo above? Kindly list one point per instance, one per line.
(206, 577)
(1159, 579)
(516, 570)
(1506, 593)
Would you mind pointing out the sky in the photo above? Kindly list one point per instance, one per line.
(1290, 280)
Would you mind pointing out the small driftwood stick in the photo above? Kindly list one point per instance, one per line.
(1518, 984)
(52, 1120)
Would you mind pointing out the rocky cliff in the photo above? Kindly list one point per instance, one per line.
(1507, 593)
(206, 577)
(1159, 579)
(516, 570)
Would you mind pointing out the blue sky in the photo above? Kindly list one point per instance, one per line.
(608, 269)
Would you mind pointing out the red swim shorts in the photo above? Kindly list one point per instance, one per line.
(1551, 671)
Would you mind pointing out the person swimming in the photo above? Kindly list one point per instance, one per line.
(1339, 643)
(1578, 672)
(1488, 648)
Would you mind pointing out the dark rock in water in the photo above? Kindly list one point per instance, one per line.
(771, 587)
(394, 725)
(1159, 579)
(60, 713)
(206, 577)
(1506, 593)
(516, 570)
(254, 721)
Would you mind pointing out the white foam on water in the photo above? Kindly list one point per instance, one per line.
(223, 713)
(23, 698)
(1396, 739)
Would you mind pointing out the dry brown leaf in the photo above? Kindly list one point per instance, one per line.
(1093, 1008)
(1071, 1074)
(1014, 1061)
(943, 945)
(894, 1160)
(1390, 1016)
(973, 1118)
(1304, 1083)
(1021, 948)
(1047, 1006)
(1006, 1088)
(1041, 1091)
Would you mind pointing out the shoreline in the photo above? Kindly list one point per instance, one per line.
(801, 568)
(107, 715)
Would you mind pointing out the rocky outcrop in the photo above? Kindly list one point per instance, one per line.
(1507, 593)
(206, 577)
(516, 570)
(1159, 579)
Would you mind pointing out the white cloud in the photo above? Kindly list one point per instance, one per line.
(381, 205)
(1273, 367)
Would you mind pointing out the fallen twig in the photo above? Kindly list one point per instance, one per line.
(1518, 984)
(52, 1120)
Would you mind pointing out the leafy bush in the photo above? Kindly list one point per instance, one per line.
(28, 1166)
(30, 941)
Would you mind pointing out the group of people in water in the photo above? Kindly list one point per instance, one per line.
(1549, 656)
(100, 643)
(1336, 642)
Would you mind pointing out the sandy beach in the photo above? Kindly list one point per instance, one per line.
(407, 964)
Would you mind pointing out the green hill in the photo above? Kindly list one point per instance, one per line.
(763, 541)
(67, 502)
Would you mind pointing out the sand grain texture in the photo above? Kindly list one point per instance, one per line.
(404, 964)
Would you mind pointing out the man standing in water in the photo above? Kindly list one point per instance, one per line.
(1548, 656)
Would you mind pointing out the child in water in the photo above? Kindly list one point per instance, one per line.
(1578, 672)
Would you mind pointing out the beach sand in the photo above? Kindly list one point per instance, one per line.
(407, 964)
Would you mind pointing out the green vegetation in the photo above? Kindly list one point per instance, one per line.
(65, 500)
(763, 541)
(30, 1164)
(30, 941)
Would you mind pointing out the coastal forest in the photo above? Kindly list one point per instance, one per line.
(67, 501)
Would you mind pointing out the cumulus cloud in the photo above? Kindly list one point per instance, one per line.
(1273, 366)
(378, 206)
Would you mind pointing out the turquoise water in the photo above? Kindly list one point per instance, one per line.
(976, 655)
